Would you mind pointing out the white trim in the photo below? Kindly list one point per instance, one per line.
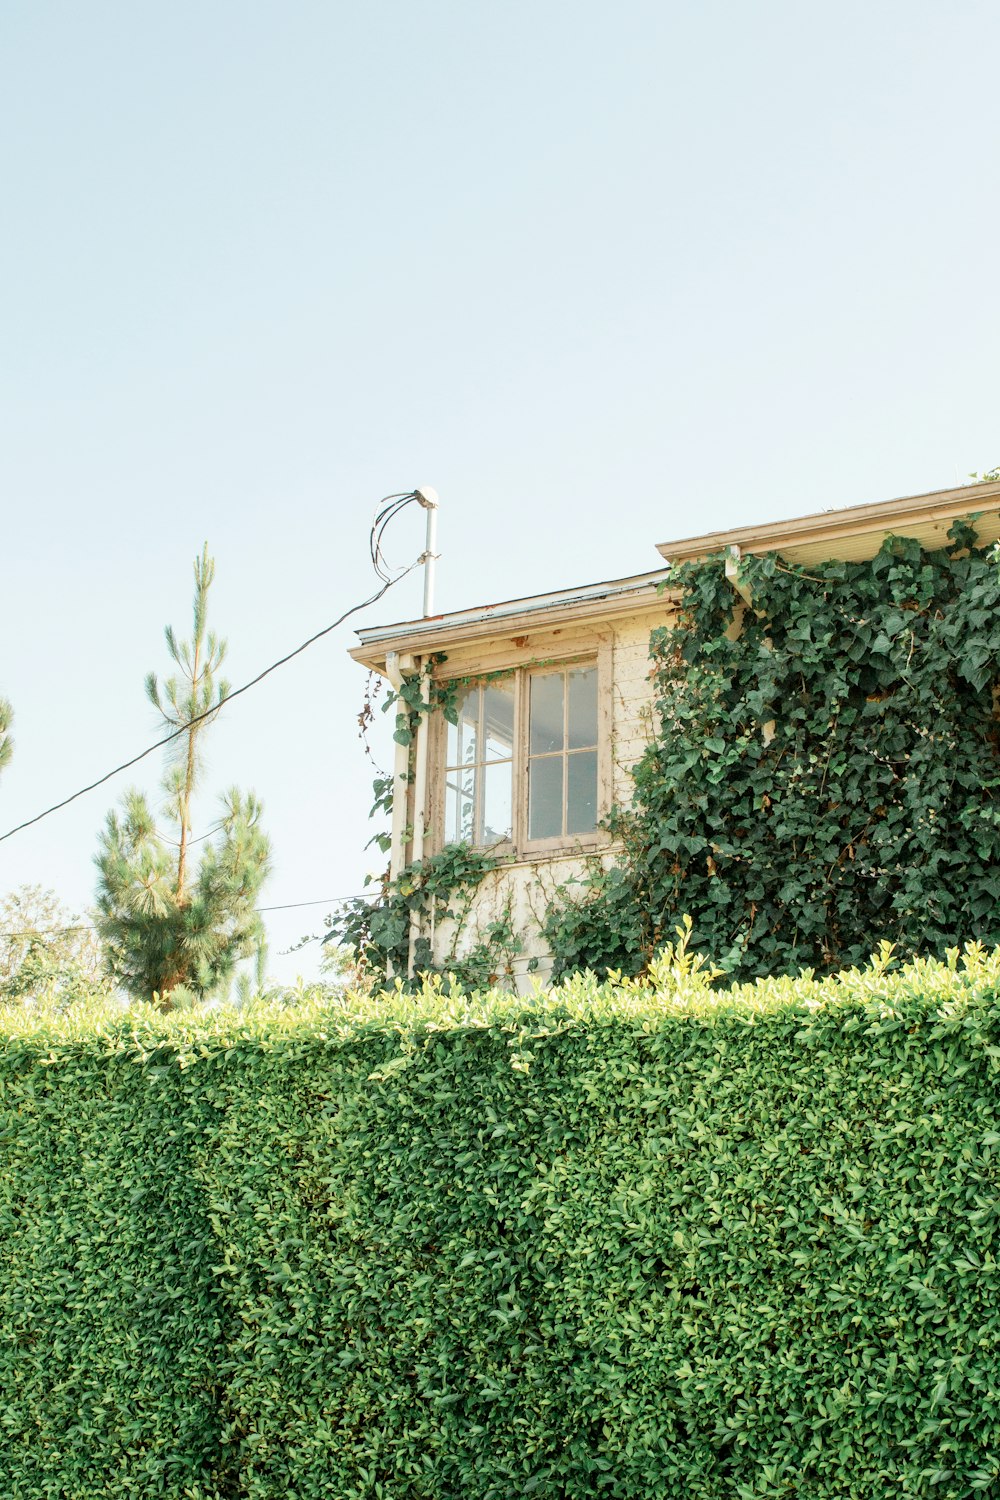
(592, 605)
(829, 532)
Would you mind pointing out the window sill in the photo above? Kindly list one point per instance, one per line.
(582, 847)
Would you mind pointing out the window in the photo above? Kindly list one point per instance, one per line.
(562, 753)
(479, 766)
(522, 764)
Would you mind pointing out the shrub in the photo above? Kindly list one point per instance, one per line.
(110, 1318)
(639, 1239)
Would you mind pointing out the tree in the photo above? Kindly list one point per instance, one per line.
(170, 929)
(47, 955)
(6, 743)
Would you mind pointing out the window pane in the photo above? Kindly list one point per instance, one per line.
(581, 792)
(545, 790)
(582, 707)
(462, 737)
(498, 721)
(458, 813)
(497, 780)
(545, 717)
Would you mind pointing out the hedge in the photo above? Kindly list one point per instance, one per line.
(110, 1318)
(615, 1241)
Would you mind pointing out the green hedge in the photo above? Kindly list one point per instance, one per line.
(614, 1242)
(110, 1319)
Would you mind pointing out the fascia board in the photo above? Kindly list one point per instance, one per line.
(423, 637)
(830, 527)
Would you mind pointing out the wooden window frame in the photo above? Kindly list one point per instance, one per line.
(521, 666)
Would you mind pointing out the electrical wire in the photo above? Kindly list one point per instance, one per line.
(391, 508)
(325, 901)
(32, 932)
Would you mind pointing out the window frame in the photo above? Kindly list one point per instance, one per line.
(521, 666)
(479, 765)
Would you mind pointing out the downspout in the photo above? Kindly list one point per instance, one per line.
(429, 501)
(400, 776)
(420, 773)
(733, 558)
(419, 806)
(734, 577)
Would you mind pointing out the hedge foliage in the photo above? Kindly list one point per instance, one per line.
(110, 1317)
(620, 1240)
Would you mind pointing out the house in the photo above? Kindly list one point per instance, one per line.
(552, 702)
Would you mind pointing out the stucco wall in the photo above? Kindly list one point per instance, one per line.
(521, 890)
(632, 700)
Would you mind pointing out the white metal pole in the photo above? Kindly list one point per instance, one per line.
(429, 500)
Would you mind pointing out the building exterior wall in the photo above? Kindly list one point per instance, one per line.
(519, 891)
(609, 622)
(632, 694)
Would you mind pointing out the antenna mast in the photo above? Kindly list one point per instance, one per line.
(429, 500)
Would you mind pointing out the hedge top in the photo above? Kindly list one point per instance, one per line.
(679, 988)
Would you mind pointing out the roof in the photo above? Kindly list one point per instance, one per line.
(852, 534)
(856, 532)
(595, 601)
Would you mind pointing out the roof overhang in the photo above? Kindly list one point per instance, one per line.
(593, 604)
(857, 532)
(851, 535)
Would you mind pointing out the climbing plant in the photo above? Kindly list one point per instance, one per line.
(824, 774)
(418, 695)
(440, 887)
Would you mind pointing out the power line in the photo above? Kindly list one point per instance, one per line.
(32, 932)
(327, 901)
(391, 507)
(378, 527)
(284, 906)
(209, 712)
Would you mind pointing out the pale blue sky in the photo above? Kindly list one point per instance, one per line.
(603, 275)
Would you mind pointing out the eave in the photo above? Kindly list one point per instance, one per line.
(594, 603)
(856, 532)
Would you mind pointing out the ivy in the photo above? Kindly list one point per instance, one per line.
(602, 932)
(824, 774)
(423, 692)
(441, 886)
(380, 931)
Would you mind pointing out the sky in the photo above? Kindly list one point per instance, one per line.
(602, 275)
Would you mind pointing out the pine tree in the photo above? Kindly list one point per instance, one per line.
(6, 743)
(168, 927)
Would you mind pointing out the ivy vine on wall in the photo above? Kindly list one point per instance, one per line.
(441, 889)
(824, 774)
(437, 889)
